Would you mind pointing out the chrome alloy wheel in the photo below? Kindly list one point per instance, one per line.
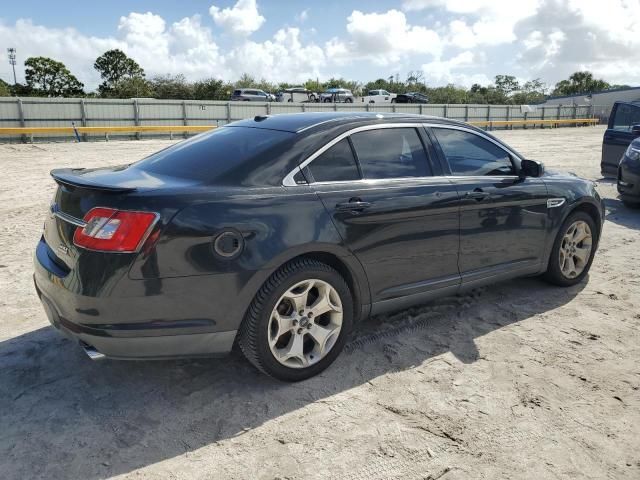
(305, 323)
(575, 249)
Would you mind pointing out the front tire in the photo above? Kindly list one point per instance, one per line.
(573, 250)
(298, 322)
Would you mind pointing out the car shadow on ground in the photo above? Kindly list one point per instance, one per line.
(619, 213)
(63, 416)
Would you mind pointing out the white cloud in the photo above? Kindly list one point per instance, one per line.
(185, 47)
(567, 36)
(382, 38)
(284, 57)
(479, 22)
(459, 70)
(302, 16)
(241, 19)
(75, 50)
(457, 41)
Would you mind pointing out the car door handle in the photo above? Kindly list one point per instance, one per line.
(353, 205)
(477, 194)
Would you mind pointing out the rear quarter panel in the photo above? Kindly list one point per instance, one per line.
(277, 224)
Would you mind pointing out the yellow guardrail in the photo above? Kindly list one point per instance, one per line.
(202, 128)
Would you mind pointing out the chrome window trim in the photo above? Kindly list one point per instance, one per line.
(290, 182)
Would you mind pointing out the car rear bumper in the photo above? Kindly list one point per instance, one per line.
(117, 327)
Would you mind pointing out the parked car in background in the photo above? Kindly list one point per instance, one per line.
(619, 134)
(629, 172)
(412, 97)
(296, 94)
(251, 95)
(279, 232)
(336, 95)
(379, 96)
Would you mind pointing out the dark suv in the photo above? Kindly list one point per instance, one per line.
(279, 232)
(251, 95)
(619, 134)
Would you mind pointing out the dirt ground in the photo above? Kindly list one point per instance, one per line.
(518, 380)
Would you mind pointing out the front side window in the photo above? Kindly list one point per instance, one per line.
(391, 153)
(470, 154)
(337, 164)
(625, 116)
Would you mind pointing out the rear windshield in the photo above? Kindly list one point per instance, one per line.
(211, 154)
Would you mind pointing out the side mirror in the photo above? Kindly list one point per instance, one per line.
(531, 168)
(635, 129)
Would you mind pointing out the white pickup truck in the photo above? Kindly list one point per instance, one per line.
(379, 96)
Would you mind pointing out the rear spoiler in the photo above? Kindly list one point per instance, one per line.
(75, 177)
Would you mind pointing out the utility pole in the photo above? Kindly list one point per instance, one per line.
(12, 61)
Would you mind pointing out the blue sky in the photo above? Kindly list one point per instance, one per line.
(449, 41)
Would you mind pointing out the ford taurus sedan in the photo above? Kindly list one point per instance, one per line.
(279, 232)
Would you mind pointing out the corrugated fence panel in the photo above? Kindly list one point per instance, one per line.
(150, 112)
(9, 113)
(205, 112)
(93, 112)
(240, 110)
(109, 112)
(45, 112)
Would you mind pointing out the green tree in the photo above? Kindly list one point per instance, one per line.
(172, 87)
(533, 91)
(210, 89)
(580, 82)
(246, 81)
(115, 66)
(51, 78)
(134, 87)
(5, 90)
(447, 94)
(506, 84)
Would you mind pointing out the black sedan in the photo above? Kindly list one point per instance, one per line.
(411, 97)
(280, 232)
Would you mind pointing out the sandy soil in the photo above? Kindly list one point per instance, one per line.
(519, 380)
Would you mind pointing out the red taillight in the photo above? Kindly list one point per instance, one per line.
(110, 230)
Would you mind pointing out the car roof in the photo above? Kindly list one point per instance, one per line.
(298, 122)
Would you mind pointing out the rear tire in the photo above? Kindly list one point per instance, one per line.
(573, 250)
(287, 345)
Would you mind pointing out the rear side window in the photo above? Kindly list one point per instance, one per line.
(391, 153)
(335, 165)
(237, 92)
(210, 154)
(470, 154)
(626, 115)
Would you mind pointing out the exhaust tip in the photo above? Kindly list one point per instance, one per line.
(92, 353)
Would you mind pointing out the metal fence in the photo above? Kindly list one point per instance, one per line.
(90, 112)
